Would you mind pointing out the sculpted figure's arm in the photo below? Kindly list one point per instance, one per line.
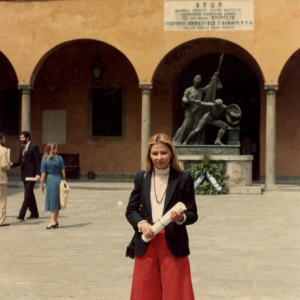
(196, 102)
(185, 98)
(207, 104)
(188, 99)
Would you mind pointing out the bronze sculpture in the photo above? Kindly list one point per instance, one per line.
(194, 112)
(212, 117)
(199, 113)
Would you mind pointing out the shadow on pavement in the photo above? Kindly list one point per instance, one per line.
(26, 223)
(75, 225)
(7, 216)
(14, 190)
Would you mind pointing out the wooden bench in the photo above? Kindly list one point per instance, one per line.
(71, 162)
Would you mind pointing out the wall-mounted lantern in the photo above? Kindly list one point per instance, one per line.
(97, 68)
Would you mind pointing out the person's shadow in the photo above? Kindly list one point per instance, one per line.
(26, 223)
(75, 225)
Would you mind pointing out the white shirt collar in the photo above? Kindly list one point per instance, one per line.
(162, 172)
(27, 145)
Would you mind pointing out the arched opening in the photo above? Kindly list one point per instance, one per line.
(94, 117)
(240, 76)
(9, 98)
(287, 120)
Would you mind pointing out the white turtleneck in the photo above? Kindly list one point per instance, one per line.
(161, 178)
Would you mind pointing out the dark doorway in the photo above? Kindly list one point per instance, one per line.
(9, 98)
(107, 112)
(240, 86)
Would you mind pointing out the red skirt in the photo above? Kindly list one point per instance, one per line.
(159, 275)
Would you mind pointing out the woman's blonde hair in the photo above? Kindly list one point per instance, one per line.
(164, 139)
(48, 152)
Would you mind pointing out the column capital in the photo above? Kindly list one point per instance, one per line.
(25, 87)
(271, 87)
(146, 87)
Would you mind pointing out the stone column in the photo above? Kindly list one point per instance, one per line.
(146, 119)
(271, 89)
(25, 114)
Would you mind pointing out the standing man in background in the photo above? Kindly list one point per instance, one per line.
(4, 166)
(30, 162)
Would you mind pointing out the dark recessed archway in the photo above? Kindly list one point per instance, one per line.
(89, 115)
(9, 98)
(287, 118)
(240, 86)
(64, 75)
(61, 60)
(241, 78)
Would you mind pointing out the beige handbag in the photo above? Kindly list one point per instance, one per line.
(63, 194)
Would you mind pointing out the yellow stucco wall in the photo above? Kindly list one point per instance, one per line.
(35, 27)
(31, 29)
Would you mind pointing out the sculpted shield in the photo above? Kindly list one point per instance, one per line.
(235, 109)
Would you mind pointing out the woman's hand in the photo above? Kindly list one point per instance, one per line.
(147, 230)
(42, 188)
(175, 216)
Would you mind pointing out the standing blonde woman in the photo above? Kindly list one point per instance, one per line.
(53, 171)
(162, 268)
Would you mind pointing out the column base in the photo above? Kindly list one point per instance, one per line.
(270, 187)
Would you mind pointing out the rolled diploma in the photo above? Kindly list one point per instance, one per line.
(165, 220)
(30, 179)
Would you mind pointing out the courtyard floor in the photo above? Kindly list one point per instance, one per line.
(242, 246)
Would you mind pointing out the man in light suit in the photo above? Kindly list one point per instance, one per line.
(4, 166)
(30, 162)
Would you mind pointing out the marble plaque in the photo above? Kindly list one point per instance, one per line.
(208, 15)
(54, 126)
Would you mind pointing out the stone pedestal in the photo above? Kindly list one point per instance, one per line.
(238, 168)
(207, 149)
(234, 136)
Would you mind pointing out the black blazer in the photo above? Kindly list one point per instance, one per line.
(30, 163)
(180, 189)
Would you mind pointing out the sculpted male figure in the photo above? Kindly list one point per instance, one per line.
(193, 112)
(4, 166)
(211, 117)
(30, 162)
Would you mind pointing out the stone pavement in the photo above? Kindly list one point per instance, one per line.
(242, 247)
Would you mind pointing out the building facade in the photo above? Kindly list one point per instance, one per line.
(99, 77)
